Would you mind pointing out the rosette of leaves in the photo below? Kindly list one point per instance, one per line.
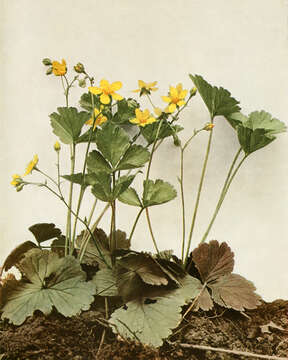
(47, 281)
(214, 263)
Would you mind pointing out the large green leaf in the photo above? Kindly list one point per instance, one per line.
(86, 102)
(218, 100)
(125, 111)
(136, 156)
(89, 135)
(122, 184)
(105, 282)
(252, 140)
(264, 120)
(102, 186)
(96, 162)
(236, 119)
(149, 132)
(150, 320)
(49, 282)
(67, 123)
(113, 142)
(158, 192)
(130, 197)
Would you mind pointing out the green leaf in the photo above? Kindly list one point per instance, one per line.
(158, 192)
(125, 111)
(130, 197)
(105, 281)
(218, 100)
(67, 123)
(113, 142)
(150, 320)
(236, 119)
(149, 132)
(264, 120)
(136, 156)
(49, 282)
(252, 140)
(122, 184)
(76, 179)
(86, 102)
(101, 186)
(84, 138)
(96, 162)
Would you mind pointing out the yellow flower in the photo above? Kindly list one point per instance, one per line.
(175, 98)
(16, 180)
(57, 146)
(209, 127)
(59, 69)
(146, 88)
(32, 165)
(106, 90)
(100, 119)
(143, 118)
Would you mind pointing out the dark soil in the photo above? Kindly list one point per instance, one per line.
(78, 338)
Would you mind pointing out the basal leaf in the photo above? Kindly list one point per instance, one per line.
(130, 197)
(50, 282)
(149, 320)
(204, 301)
(122, 184)
(67, 123)
(113, 142)
(158, 192)
(44, 231)
(136, 156)
(264, 120)
(101, 188)
(213, 260)
(149, 132)
(105, 282)
(96, 162)
(17, 254)
(121, 241)
(218, 100)
(234, 291)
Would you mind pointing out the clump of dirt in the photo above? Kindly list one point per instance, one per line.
(78, 338)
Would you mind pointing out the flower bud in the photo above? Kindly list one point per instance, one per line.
(57, 146)
(209, 127)
(82, 83)
(47, 62)
(193, 91)
(49, 71)
(79, 68)
(19, 187)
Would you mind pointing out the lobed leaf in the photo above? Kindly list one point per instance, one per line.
(122, 184)
(16, 255)
(96, 162)
(136, 156)
(44, 231)
(158, 192)
(130, 197)
(125, 111)
(149, 132)
(67, 123)
(218, 100)
(101, 188)
(105, 282)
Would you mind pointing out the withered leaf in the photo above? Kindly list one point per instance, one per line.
(44, 231)
(58, 246)
(121, 240)
(204, 301)
(17, 254)
(213, 260)
(234, 291)
(146, 267)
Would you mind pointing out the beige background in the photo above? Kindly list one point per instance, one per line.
(241, 45)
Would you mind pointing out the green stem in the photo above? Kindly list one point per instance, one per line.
(222, 195)
(68, 227)
(182, 202)
(199, 193)
(82, 191)
(135, 223)
(46, 175)
(224, 192)
(151, 231)
(92, 212)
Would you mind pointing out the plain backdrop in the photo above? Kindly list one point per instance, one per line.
(240, 45)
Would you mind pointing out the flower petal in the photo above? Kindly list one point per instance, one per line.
(171, 108)
(116, 97)
(181, 103)
(95, 90)
(166, 99)
(117, 85)
(105, 99)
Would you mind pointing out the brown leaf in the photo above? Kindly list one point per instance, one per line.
(204, 302)
(213, 260)
(146, 267)
(121, 240)
(58, 246)
(17, 254)
(44, 231)
(234, 291)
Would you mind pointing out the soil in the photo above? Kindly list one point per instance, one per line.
(55, 337)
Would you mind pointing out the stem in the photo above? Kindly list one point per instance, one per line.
(199, 192)
(68, 228)
(46, 175)
(182, 202)
(135, 223)
(82, 191)
(92, 212)
(222, 195)
(151, 231)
